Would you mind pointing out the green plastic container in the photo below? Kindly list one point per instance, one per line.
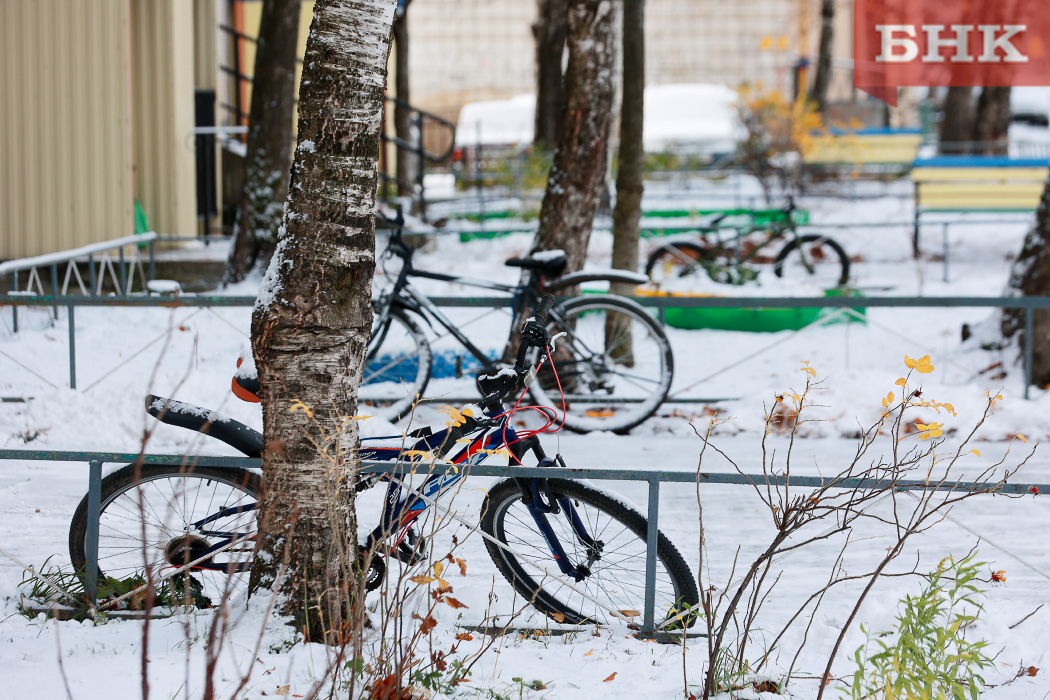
(759, 320)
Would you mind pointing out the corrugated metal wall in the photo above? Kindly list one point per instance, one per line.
(65, 146)
(162, 86)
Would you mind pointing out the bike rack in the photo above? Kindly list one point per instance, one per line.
(95, 460)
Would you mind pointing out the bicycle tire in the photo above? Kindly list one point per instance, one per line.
(824, 263)
(675, 260)
(506, 519)
(397, 369)
(122, 552)
(604, 390)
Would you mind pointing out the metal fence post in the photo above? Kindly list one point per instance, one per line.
(944, 243)
(152, 262)
(123, 291)
(14, 309)
(1029, 329)
(91, 273)
(72, 347)
(91, 539)
(54, 285)
(652, 536)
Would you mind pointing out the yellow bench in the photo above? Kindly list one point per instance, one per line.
(967, 184)
(865, 147)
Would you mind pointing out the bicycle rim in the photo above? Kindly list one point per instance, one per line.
(396, 373)
(149, 524)
(614, 365)
(817, 260)
(615, 582)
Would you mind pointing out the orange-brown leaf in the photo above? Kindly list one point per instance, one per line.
(610, 677)
(558, 617)
(427, 624)
(465, 636)
(422, 579)
(453, 603)
(462, 567)
(1032, 670)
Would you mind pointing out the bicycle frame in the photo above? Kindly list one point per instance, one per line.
(399, 513)
(404, 294)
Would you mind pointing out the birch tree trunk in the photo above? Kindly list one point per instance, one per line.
(550, 28)
(269, 148)
(957, 127)
(406, 160)
(630, 176)
(827, 40)
(1030, 276)
(313, 318)
(991, 124)
(577, 175)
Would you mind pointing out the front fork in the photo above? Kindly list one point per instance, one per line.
(541, 501)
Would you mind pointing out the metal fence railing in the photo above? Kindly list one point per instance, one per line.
(96, 460)
(1029, 305)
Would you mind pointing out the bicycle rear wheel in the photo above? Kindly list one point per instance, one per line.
(147, 520)
(397, 367)
(675, 260)
(614, 580)
(614, 364)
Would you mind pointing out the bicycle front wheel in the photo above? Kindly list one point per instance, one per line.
(397, 367)
(614, 365)
(161, 517)
(613, 571)
(817, 259)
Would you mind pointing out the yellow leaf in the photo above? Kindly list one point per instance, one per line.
(908, 362)
(976, 452)
(889, 396)
(438, 568)
(300, 406)
(361, 417)
(885, 403)
(999, 397)
(443, 585)
(1021, 438)
(422, 580)
(590, 653)
(284, 690)
(924, 369)
(901, 382)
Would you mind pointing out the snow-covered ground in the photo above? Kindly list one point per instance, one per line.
(122, 354)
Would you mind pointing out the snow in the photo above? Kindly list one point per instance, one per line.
(190, 354)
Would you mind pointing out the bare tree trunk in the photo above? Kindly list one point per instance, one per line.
(270, 134)
(631, 173)
(992, 122)
(957, 127)
(1030, 276)
(550, 29)
(577, 175)
(313, 319)
(406, 160)
(827, 40)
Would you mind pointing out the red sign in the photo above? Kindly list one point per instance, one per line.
(949, 43)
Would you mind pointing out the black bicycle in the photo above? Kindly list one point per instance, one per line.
(615, 363)
(739, 258)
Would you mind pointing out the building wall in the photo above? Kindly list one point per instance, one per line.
(65, 144)
(162, 86)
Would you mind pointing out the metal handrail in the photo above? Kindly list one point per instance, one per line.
(95, 460)
(1029, 304)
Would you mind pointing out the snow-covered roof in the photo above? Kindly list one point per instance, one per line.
(692, 115)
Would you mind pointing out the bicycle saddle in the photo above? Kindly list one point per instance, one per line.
(549, 262)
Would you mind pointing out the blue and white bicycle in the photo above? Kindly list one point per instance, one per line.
(575, 552)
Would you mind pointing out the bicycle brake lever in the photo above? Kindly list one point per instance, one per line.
(552, 340)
